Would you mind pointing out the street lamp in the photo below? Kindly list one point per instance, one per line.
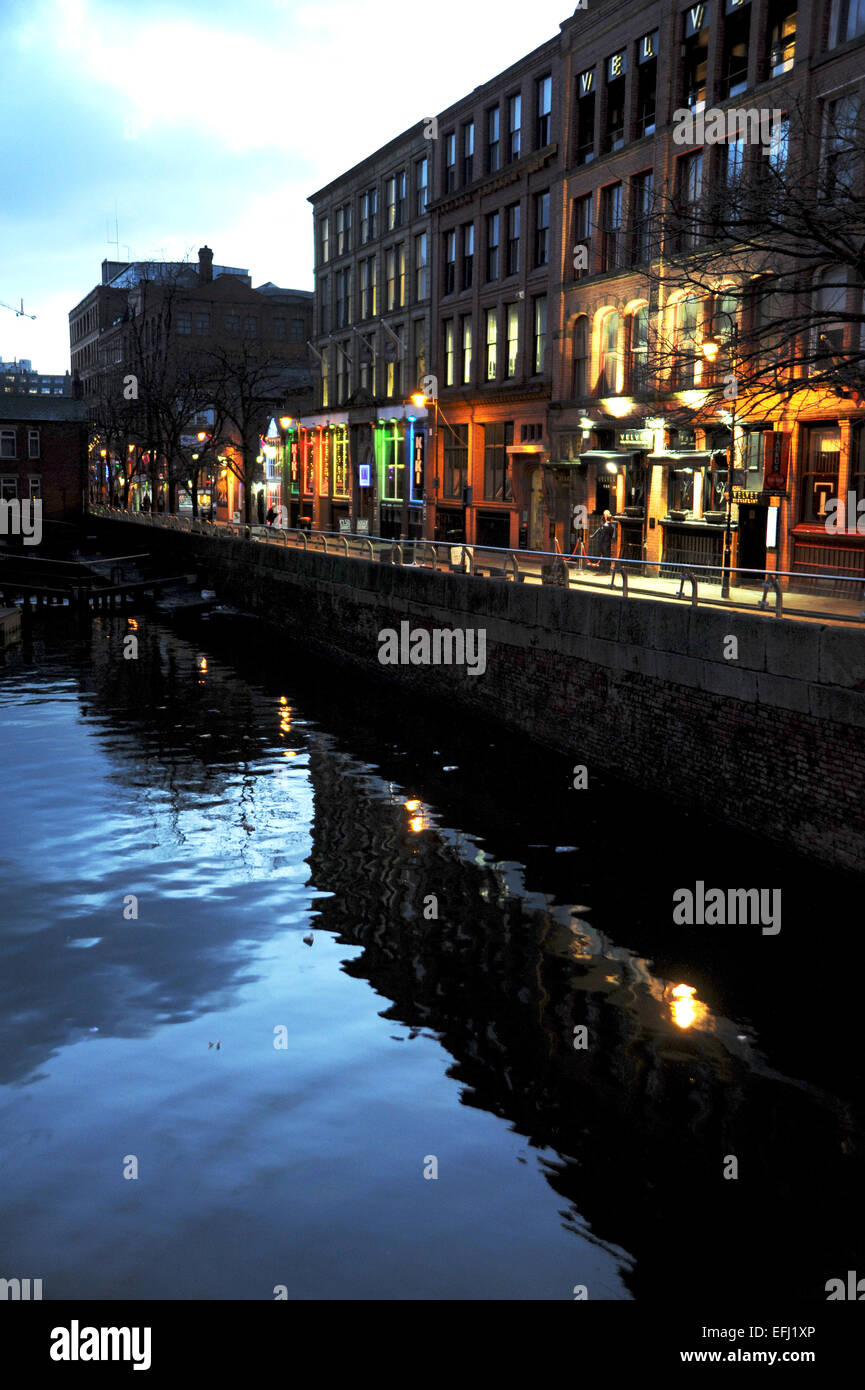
(710, 348)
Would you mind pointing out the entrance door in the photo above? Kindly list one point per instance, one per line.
(752, 541)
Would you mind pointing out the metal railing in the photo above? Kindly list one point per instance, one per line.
(638, 578)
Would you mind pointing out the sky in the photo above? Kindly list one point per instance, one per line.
(209, 122)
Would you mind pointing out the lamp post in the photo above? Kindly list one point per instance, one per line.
(710, 348)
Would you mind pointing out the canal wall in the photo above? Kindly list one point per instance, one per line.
(756, 721)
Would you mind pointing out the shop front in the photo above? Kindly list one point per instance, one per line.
(400, 451)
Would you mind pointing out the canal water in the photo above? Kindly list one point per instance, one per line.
(310, 988)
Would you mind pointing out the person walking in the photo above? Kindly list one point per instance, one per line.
(605, 541)
(271, 516)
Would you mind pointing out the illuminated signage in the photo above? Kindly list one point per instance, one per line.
(363, 475)
(647, 48)
(696, 18)
(418, 459)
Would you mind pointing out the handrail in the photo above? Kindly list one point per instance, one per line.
(688, 574)
(513, 560)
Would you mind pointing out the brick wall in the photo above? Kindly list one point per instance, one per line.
(771, 742)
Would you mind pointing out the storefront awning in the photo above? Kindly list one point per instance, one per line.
(605, 456)
(693, 458)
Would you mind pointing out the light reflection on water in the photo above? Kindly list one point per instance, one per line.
(178, 831)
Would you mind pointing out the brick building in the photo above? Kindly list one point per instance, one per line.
(43, 453)
(361, 456)
(551, 293)
(187, 313)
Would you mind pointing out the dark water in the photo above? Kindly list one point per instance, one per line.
(246, 798)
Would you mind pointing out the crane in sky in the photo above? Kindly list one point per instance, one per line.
(19, 313)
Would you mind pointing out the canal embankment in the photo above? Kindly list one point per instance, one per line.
(759, 722)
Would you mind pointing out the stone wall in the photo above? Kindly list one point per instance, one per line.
(772, 741)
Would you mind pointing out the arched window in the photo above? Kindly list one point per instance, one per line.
(609, 372)
(580, 382)
(639, 348)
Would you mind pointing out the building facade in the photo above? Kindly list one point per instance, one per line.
(561, 360)
(359, 460)
(43, 453)
(18, 378)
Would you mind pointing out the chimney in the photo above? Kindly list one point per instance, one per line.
(205, 265)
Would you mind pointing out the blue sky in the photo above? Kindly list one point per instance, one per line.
(208, 121)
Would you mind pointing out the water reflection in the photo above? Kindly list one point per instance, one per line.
(238, 825)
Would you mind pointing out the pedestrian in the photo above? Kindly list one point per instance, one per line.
(271, 516)
(145, 503)
(606, 537)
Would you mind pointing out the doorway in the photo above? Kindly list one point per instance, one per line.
(752, 541)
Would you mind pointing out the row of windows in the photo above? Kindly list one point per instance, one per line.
(501, 249)
(345, 311)
(335, 232)
(9, 444)
(503, 137)
(370, 361)
(499, 347)
(293, 330)
(9, 487)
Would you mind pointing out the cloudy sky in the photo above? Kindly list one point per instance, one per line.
(209, 121)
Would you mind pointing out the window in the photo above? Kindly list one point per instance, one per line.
(369, 216)
(450, 267)
(848, 20)
(494, 150)
(782, 36)
(8, 489)
(778, 145)
(515, 106)
(35, 484)
(456, 460)
(367, 360)
(232, 322)
(542, 228)
(400, 275)
(250, 326)
(390, 277)
(822, 454)
(830, 306)
(468, 140)
(343, 229)
(584, 136)
(513, 331)
(421, 267)
(491, 317)
(394, 352)
(340, 462)
(343, 301)
(33, 444)
(390, 204)
(680, 490)
(513, 258)
(614, 122)
(840, 146)
(690, 189)
(400, 197)
(642, 195)
(539, 316)
(647, 83)
(324, 239)
(449, 351)
(696, 56)
(421, 186)
(450, 159)
(298, 330)
(343, 365)
(368, 305)
(582, 232)
(419, 329)
(325, 378)
(492, 246)
(497, 438)
(611, 225)
(466, 337)
(639, 349)
(608, 376)
(580, 379)
(468, 241)
(686, 314)
(734, 60)
(184, 322)
(393, 463)
(543, 109)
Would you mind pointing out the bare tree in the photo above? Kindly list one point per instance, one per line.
(245, 388)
